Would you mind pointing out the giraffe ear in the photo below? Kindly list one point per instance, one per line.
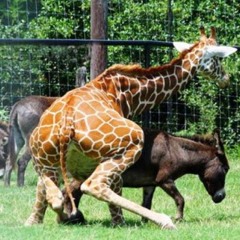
(181, 46)
(220, 51)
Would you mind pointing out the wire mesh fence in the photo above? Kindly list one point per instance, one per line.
(50, 69)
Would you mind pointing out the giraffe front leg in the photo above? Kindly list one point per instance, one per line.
(91, 186)
(40, 205)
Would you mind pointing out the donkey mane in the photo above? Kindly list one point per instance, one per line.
(206, 139)
(136, 70)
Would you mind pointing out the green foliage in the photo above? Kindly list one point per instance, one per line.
(3, 115)
(52, 70)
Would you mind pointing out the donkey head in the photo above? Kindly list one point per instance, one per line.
(214, 172)
(210, 62)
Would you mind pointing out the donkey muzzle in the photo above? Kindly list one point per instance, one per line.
(219, 196)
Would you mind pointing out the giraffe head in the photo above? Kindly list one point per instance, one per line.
(210, 58)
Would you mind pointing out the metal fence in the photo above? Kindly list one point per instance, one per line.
(49, 66)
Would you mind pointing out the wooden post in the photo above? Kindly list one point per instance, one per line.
(98, 31)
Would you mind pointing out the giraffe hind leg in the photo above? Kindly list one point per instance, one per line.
(40, 205)
(98, 185)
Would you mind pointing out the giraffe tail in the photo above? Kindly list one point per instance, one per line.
(65, 135)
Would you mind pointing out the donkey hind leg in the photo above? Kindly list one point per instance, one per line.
(170, 188)
(77, 218)
(7, 173)
(116, 211)
(98, 185)
(22, 165)
(15, 144)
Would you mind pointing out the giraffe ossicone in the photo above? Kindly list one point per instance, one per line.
(95, 120)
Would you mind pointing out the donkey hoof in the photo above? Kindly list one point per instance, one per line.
(76, 218)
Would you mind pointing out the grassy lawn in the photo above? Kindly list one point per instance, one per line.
(203, 218)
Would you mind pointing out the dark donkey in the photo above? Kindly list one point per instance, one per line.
(24, 117)
(3, 146)
(165, 158)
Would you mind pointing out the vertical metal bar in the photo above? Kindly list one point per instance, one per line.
(170, 54)
(146, 115)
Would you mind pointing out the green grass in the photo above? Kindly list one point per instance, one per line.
(203, 218)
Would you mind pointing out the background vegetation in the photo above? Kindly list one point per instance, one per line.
(50, 70)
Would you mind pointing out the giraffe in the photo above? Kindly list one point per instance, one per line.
(95, 121)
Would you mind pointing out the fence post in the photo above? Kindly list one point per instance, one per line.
(98, 31)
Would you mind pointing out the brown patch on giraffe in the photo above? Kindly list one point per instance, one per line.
(58, 106)
(173, 81)
(86, 144)
(167, 83)
(122, 131)
(178, 72)
(135, 87)
(109, 138)
(151, 87)
(87, 108)
(186, 64)
(105, 128)
(96, 135)
(124, 105)
(193, 71)
(124, 84)
(176, 89)
(160, 97)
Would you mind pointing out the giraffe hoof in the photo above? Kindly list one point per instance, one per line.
(32, 221)
(169, 227)
(76, 218)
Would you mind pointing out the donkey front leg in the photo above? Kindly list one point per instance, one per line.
(147, 198)
(170, 188)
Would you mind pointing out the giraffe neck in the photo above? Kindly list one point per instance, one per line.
(132, 89)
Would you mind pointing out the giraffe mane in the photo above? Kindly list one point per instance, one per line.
(138, 70)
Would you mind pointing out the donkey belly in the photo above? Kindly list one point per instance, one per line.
(135, 177)
(79, 165)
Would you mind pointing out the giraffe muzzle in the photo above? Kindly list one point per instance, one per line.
(225, 82)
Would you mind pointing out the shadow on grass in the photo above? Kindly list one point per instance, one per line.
(108, 223)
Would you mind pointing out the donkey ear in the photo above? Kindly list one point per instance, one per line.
(219, 144)
(181, 46)
(220, 51)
